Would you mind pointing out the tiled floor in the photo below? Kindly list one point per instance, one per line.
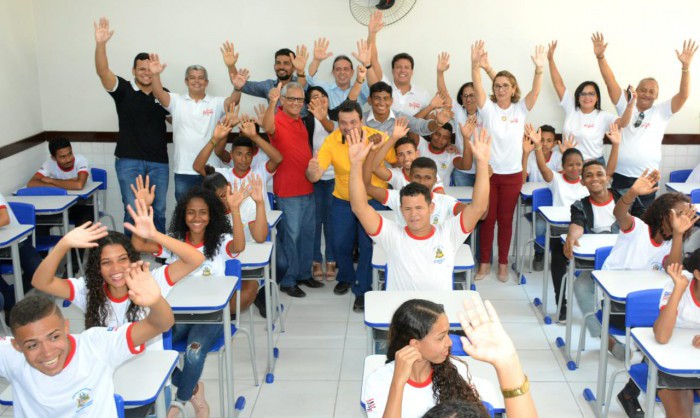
(319, 371)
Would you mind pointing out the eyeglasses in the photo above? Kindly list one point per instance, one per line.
(640, 119)
(469, 96)
(497, 87)
(587, 94)
(294, 99)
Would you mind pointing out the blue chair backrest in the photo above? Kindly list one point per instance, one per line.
(642, 308)
(100, 175)
(695, 196)
(24, 212)
(42, 191)
(600, 255)
(457, 347)
(541, 197)
(168, 340)
(271, 198)
(233, 269)
(679, 176)
(119, 401)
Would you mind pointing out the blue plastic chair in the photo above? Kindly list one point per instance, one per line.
(233, 268)
(42, 191)
(679, 176)
(100, 200)
(540, 197)
(695, 196)
(271, 199)
(457, 348)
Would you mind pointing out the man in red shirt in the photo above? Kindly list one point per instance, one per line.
(293, 191)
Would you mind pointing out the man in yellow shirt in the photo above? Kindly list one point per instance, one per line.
(346, 227)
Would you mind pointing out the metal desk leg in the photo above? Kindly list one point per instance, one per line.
(596, 401)
(229, 362)
(17, 270)
(269, 373)
(375, 279)
(370, 341)
(69, 260)
(650, 403)
(565, 345)
(95, 208)
(161, 409)
(541, 304)
(518, 214)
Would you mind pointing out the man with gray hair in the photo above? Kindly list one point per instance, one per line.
(294, 191)
(195, 115)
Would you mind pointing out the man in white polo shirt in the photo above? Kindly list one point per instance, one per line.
(421, 255)
(195, 115)
(56, 374)
(641, 139)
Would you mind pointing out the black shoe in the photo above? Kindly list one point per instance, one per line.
(259, 303)
(293, 291)
(538, 262)
(630, 405)
(341, 288)
(359, 305)
(562, 315)
(310, 283)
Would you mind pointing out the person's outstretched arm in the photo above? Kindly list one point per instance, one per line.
(145, 291)
(664, 324)
(615, 136)
(230, 57)
(557, 81)
(680, 222)
(156, 68)
(487, 341)
(259, 227)
(376, 23)
(466, 160)
(685, 57)
(538, 59)
(219, 136)
(599, 46)
(536, 138)
(358, 148)
(481, 149)
(275, 156)
(102, 36)
(643, 185)
(478, 53)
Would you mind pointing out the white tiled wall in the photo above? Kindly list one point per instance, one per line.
(20, 167)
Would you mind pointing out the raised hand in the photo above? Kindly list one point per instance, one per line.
(143, 225)
(599, 45)
(318, 109)
(299, 61)
(274, 94)
(685, 56)
(400, 129)
(232, 118)
(569, 247)
(534, 135)
(102, 32)
(259, 113)
(486, 340)
(481, 147)
(566, 143)
(528, 145)
(358, 146)
(550, 50)
(240, 79)
(443, 63)
(321, 49)
(438, 100)
(696, 341)
(468, 128)
(143, 288)
(633, 95)
(675, 270)
(484, 61)
(645, 184)
(683, 220)
(236, 194)
(248, 128)
(376, 140)
(256, 188)
(376, 22)
(143, 190)
(540, 57)
(444, 116)
(477, 53)
(403, 364)
(361, 74)
(614, 134)
(85, 235)
(314, 168)
(221, 130)
(228, 54)
(155, 65)
(363, 52)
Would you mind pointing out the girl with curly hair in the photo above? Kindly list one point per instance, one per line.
(199, 220)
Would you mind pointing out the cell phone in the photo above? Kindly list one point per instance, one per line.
(629, 93)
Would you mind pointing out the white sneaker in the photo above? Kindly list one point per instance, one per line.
(199, 403)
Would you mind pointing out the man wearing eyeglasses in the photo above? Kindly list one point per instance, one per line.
(293, 190)
(641, 139)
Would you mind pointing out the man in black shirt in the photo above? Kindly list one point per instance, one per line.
(141, 141)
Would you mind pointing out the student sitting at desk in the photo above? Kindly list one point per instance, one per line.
(651, 243)
(29, 260)
(420, 373)
(421, 255)
(679, 308)
(55, 374)
(199, 220)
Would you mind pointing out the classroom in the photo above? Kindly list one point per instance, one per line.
(350, 208)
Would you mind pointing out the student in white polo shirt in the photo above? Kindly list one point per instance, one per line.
(195, 115)
(423, 171)
(438, 148)
(56, 374)
(551, 150)
(406, 153)
(421, 255)
(641, 148)
(679, 308)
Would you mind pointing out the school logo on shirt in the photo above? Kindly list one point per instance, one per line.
(657, 266)
(206, 270)
(370, 405)
(439, 255)
(414, 105)
(207, 112)
(443, 165)
(83, 399)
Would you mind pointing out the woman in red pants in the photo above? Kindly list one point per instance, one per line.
(504, 116)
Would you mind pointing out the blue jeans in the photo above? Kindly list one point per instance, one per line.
(29, 260)
(295, 239)
(323, 195)
(127, 171)
(184, 182)
(463, 179)
(200, 339)
(346, 231)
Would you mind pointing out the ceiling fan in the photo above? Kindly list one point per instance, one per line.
(393, 10)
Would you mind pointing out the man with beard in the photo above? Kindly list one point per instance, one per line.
(141, 142)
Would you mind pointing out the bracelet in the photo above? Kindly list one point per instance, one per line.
(236, 213)
(538, 72)
(301, 75)
(360, 81)
(237, 89)
(684, 70)
(538, 147)
(368, 66)
(600, 57)
(212, 142)
(514, 393)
